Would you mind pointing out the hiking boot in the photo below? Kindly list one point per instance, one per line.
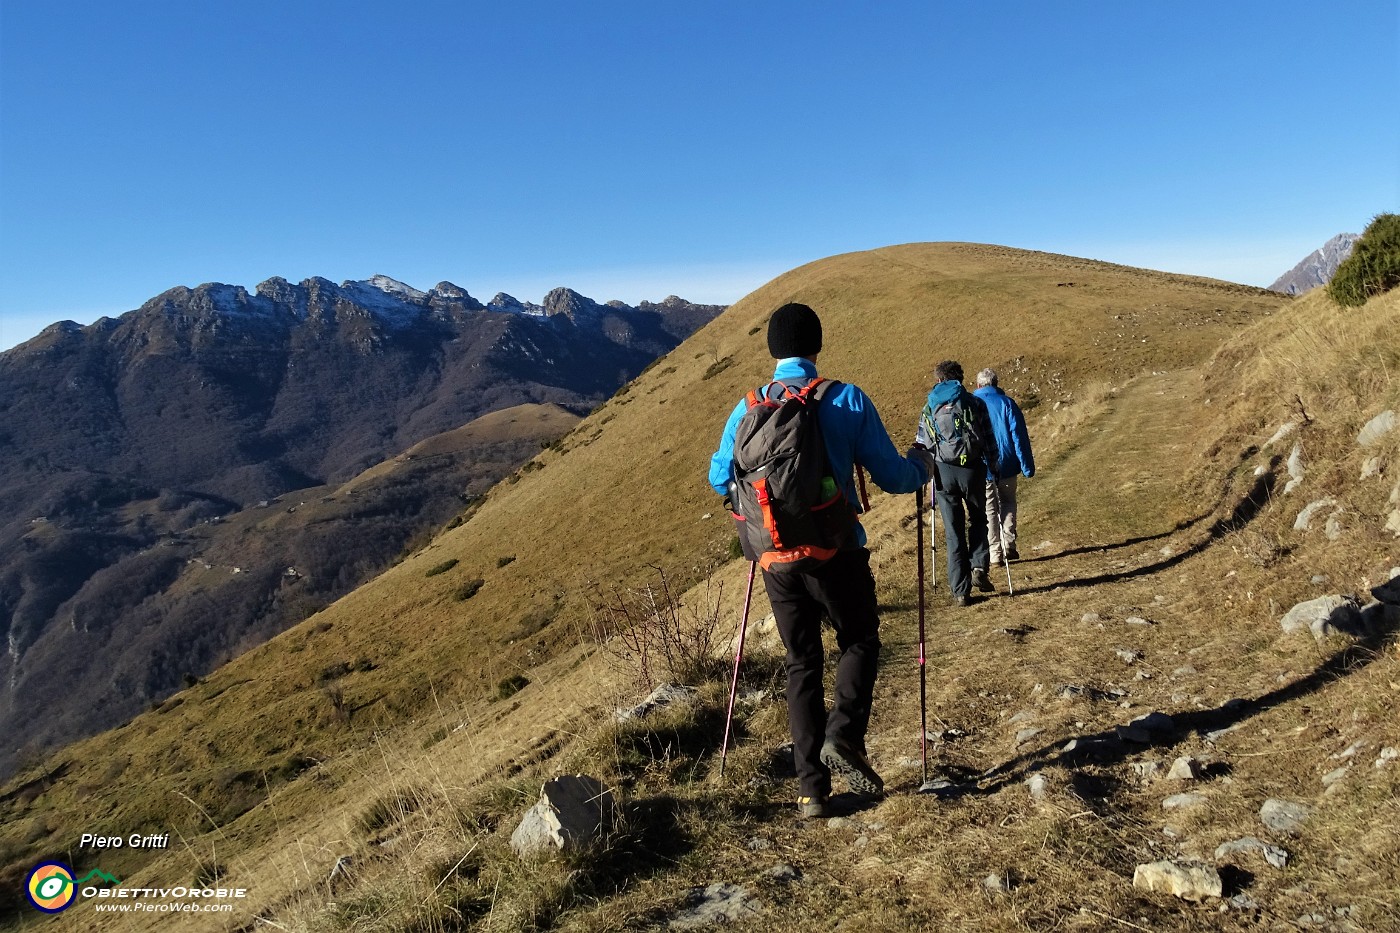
(814, 808)
(982, 581)
(1012, 553)
(854, 767)
(962, 600)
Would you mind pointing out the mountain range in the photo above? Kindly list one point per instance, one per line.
(139, 453)
(1318, 267)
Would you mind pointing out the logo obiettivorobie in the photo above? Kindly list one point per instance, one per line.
(50, 887)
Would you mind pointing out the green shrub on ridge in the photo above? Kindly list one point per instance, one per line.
(1373, 267)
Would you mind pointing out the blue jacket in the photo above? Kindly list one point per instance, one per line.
(853, 432)
(1009, 425)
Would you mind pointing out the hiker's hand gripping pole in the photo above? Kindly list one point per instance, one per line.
(734, 682)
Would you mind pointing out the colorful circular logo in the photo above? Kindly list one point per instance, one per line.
(50, 887)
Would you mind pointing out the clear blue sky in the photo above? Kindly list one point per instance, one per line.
(631, 150)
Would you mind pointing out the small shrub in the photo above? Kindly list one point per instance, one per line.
(510, 686)
(505, 561)
(654, 637)
(467, 590)
(388, 810)
(1373, 267)
(442, 567)
(434, 737)
(736, 548)
(718, 367)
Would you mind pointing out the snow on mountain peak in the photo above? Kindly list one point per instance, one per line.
(394, 287)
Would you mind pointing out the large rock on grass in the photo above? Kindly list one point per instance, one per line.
(573, 813)
(1190, 881)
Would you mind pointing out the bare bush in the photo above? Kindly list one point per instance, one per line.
(656, 637)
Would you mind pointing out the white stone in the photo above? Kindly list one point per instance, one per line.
(660, 698)
(1295, 468)
(1305, 517)
(720, 903)
(1371, 467)
(573, 813)
(1284, 816)
(1184, 769)
(1285, 431)
(1377, 428)
(1323, 616)
(1392, 522)
(1188, 880)
(1274, 855)
(1039, 786)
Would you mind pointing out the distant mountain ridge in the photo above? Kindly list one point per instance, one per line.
(1318, 267)
(119, 437)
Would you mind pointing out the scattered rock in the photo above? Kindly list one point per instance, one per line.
(1310, 511)
(1332, 531)
(841, 822)
(1186, 670)
(1284, 816)
(719, 903)
(1024, 715)
(1320, 579)
(996, 883)
(1133, 734)
(1350, 750)
(1146, 770)
(1025, 735)
(1376, 429)
(1392, 522)
(759, 843)
(573, 812)
(1371, 467)
(1185, 768)
(660, 698)
(1388, 754)
(1091, 618)
(1274, 855)
(1295, 468)
(1138, 620)
(1332, 777)
(784, 873)
(1244, 902)
(1190, 881)
(1129, 655)
(1283, 432)
(1183, 801)
(1155, 722)
(340, 871)
(1323, 616)
(1039, 786)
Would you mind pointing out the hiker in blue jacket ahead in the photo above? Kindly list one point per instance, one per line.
(955, 427)
(1014, 456)
(841, 587)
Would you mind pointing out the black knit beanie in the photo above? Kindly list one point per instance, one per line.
(794, 330)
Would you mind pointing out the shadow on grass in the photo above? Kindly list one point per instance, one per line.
(1243, 513)
(1105, 747)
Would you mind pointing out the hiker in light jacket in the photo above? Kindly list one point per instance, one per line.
(1014, 456)
(962, 454)
(842, 588)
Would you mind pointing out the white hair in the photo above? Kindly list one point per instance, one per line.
(987, 377)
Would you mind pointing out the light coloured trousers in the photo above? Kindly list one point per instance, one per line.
(1005, 491)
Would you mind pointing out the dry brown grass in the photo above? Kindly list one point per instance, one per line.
(1124, 476)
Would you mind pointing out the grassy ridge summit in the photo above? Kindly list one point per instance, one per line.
(392, 686)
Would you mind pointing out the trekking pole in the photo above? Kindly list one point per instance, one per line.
(923, 677)
(932, 544)
(734, 683)
(1005, 561)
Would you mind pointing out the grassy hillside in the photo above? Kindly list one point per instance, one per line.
(374, 729)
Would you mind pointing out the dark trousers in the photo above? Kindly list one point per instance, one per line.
(842, 590)
(963, 497)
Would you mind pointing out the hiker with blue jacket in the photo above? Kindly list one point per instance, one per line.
(811, 574)
(954, 425)
(1013, 456)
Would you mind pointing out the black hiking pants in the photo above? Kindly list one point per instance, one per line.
(962, 502)
(842, 590)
